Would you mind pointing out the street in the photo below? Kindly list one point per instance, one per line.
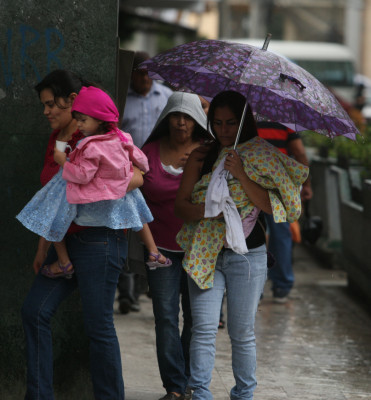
(317, 346)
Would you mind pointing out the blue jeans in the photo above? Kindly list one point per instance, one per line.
(243, 277)
(98, 256)
(280, 245)
(167, 286)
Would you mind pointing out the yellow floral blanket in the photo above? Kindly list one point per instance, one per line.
(263, 164)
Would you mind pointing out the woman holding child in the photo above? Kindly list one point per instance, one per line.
(97, 255)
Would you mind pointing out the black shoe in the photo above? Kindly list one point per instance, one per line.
(280, 296)
(172, 396)
(125, 306)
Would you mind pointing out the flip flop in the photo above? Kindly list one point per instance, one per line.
(157, 264)
(46, 271)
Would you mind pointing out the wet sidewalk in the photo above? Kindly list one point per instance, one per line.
(317, 346)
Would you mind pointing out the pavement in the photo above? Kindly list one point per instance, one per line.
(317, 346)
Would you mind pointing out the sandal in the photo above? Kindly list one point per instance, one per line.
(157, 264)
(46, 271)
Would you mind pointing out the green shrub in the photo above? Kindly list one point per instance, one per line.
(351, 151)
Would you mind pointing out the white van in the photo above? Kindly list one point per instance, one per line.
(331, 63)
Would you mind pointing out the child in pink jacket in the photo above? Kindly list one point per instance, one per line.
(91, 187)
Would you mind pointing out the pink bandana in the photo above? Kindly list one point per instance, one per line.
(97, 104)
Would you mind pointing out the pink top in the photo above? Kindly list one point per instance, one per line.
(100, 168)
(160, 190)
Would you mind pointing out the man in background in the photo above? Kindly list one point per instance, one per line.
(144, 103)
(280, 239)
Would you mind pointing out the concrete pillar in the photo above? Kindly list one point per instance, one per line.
(258, 18)
(36, 38)
(224, 19)
(353, 28)
(366, 34)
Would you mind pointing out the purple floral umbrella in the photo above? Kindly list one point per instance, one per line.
(276, 88)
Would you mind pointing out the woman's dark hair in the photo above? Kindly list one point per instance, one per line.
(236, 103)
(62, 83)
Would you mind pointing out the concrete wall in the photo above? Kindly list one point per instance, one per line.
(347, 225)
(325, 202)
(35, 38)
(356, 232)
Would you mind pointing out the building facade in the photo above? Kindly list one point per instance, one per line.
(340, 21)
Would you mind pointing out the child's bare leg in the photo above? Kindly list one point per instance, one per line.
(147, 238)
(63, 259)
(61, 249)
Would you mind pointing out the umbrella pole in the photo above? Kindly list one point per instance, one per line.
(240, 127)
(229, 175)
(265, 46)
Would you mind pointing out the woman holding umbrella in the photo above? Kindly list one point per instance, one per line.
(224, 235)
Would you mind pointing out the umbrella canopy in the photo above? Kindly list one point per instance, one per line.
(276, 88)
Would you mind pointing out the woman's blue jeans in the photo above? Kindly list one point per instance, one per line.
(168, 286)
(243, 277)
(98, 255)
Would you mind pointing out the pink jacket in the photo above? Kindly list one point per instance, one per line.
(101, 167)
